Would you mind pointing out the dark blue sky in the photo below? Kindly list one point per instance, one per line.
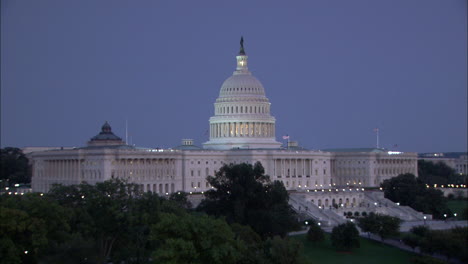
(333, 70)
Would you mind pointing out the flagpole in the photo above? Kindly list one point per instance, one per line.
(377, 136)
(126, 131)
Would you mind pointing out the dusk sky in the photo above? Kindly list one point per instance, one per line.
(333, 70)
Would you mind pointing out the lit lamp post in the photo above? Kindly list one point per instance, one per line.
(445, 217)
(424, 220)
(455, 214)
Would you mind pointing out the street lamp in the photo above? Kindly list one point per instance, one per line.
(424, 220)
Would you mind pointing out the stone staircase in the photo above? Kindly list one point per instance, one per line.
(387, 207)
(374, 201)
(323, 216)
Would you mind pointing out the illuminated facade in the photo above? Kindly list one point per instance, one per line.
(241, 131)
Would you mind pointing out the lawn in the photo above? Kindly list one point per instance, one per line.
(369, 252)
(457, 206)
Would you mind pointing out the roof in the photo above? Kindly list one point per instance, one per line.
(106, 134)
(373, 150)
(188, 147)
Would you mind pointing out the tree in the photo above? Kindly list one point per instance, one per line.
(315, 233)
(381, 225)
(345, 237)
(136, 246)
(181, 198)
(283, 251)
(14, 167)
(403, 189)
(407, 190)
(102, 212)
(244, 194)
(437, 173)
(194, 239)
(420, 231)
(30, 226)
(451, 243)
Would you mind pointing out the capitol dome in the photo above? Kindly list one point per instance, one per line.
(242, 84)
(242, 112)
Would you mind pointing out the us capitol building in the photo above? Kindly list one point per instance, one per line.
(242, 130)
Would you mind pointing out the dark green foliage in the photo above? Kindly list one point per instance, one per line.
(114, 214)
(194, 239)
(30, 223)
(254, 249)
(113, 221)
(243, 194)
(315, 233)
(283, 251)
(407, 190)
(403, 189)
(345, 237)
(420, 231)
(437, 173)
(450, 243)
(14, 167)
(381, 225)
(411, 240)
(181, 198)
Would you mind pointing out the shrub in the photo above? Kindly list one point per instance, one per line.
(345, 237)
(315, 233)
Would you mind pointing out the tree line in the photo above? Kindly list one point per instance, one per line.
(245, 219)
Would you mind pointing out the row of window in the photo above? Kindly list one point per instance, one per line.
(143, 161)
(242, 110)
(248, 89)
(207, 173)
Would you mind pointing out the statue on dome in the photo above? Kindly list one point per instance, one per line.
(242, 51)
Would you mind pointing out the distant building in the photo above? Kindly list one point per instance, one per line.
(242, 130)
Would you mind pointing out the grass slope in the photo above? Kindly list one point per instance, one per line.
(369, 252)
